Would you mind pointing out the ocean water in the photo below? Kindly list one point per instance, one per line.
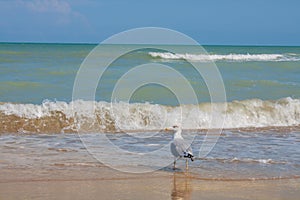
(262, 105)
(262, 88)
(32, 73)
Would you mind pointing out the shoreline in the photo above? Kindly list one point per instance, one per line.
(155, 185)
(277, 129)
(142, 176)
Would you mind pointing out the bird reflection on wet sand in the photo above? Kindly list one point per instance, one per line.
(182, 186)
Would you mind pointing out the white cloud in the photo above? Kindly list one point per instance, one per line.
(54, 13)
(43, 6)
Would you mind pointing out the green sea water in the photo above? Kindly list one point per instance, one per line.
(33, 73)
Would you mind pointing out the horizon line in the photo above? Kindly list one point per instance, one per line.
(91, 43)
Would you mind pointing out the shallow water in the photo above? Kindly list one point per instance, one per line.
(236, 156)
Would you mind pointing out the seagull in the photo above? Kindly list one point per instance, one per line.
(179, 147)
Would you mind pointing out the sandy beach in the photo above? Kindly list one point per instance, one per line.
(104, 183)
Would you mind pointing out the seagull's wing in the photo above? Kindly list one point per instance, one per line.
(182, 148)
(174, 150)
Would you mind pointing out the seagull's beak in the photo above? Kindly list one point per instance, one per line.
(166, 129)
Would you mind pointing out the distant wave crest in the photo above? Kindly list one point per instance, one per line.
(227, 57)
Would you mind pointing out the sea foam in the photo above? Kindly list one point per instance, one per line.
(226, 57)
(88, 116)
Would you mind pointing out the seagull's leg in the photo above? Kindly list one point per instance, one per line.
(186, 164)
(174, 164)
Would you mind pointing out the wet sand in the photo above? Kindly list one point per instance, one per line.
(81, 182)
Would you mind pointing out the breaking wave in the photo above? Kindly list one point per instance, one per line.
(227, 57)
(88, 116)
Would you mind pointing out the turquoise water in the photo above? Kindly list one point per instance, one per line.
(262, 86)
(32, 73)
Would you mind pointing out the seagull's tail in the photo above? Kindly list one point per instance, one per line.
(188, 155)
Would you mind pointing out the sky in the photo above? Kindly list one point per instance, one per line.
(216, 22)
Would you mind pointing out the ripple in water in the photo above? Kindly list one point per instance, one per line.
(236, 156)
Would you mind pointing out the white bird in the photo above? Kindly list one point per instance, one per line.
(179, 147)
